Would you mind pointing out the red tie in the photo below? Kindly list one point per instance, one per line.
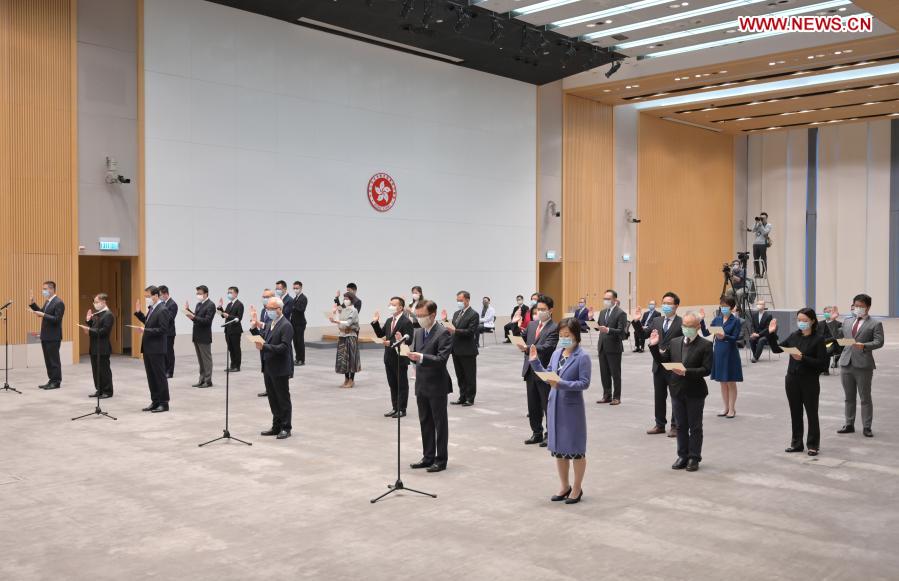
(855, 327)
(539, 328)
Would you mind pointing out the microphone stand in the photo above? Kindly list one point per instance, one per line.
(226, 434)
(6, 386)
(398, 485)
(97, 411)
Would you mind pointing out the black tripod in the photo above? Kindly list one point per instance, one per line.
(97, 411)
(398, 485)
(6, 387)
(226, 434)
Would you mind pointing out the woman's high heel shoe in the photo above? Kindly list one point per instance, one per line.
(557, 498)
(575, 500)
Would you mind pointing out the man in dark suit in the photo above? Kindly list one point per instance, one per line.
(397, 324)
(202, 317)
(154, 347)
(668, 327)
(51, 315)
(350, 288)
(172, 308)
(688, 388)
(298, 321)
(267, 294)
(431, 348)
(99, 325)
(758, 325)
(464, 330)
(277, 364)
(513, 325)
(233, 315)
(544, 334)
(281, 293)
(641, 324)
(612, 330)
(582, 314)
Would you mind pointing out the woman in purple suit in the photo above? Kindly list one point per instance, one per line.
(566, 417)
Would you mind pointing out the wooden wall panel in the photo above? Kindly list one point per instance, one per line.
(587, 201)
(685, 194)
(38, 216)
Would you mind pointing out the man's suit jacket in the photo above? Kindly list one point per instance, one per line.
(287, 311)
(674, 331)
(277, 353)
(431, 377)
(51, 322)
(582, 315)
(233, 312)
(203, 314)
(546, 344)
(298, 313)
(759, 327)
(698, 362)
(172, 307)
(100, 328)
(153, 339)
(613, 341)
(648, 317)
(465, 339)
(401, 325)
(870, 334)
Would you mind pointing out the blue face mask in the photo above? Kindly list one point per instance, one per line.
(230, 296)
(272, 314)
(689, 332)
(803, 325)
(565, 342)
(725, 311)
(667, 309)
(45, 292)
(652, 308)
(279, 292)
(533, 303)
(460, 305)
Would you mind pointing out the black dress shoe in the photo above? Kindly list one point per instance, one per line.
(162, 407)
(558, 497)
(679, 464)
(272, 432)
(169, 375)
(149, 408)
(868, 433)
(575, 500)
(95, 394)
(263, 394)
(535, 439)
(301, 363)
(544, 443)
(390, 414)
(44, 385)
(605, 399)
(198, 384)
(467, 404)
(436, 468)
(457, 402)
(421, 464)
(846, 430)
(105, 395)
(234, 370)
(400, 414)
(792, 449)
(283, 435)
(692, 465)
(53, 386)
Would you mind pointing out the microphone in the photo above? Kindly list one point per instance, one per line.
(7, 304)
(231, 322)
(403, 339)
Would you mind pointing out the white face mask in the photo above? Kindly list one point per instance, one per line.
(391, 309)
(148, 301)
(415, 296)
(97, 306)
(347, 302)
(544, 316)
(424, 322)
(200, 298)
(859, 311)
(297, 291)
(607, 303)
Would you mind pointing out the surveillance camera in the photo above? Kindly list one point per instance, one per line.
(124, 180)
(553, 209)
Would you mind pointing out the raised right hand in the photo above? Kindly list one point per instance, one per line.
(90, 314)
(532, 356)
(137, 306)
(654, 338)
(376, 317)
(772, 327)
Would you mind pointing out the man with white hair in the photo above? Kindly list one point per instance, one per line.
(277, 363)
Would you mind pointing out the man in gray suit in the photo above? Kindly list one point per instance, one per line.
(431, 348)
(857, 363)
(612, 331)
(544, 334)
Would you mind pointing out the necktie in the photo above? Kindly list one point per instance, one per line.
(539, 328)
(150, 310)
(608, 312)
(666, 326)
(858, 323)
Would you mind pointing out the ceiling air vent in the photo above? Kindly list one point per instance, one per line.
(619, 37)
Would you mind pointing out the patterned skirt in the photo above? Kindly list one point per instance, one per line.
(348, 360)
(567, 456)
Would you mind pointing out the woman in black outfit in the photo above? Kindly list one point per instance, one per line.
(802, 385)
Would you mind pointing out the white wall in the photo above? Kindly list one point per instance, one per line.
(262, 135)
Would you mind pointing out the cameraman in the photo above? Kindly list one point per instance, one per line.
(762, 231)
(737, 278)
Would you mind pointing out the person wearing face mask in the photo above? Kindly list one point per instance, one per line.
(532, 305)
(100, 322)
(202, 317)
(566, 418)
(349, 362)
(610, 345)
(464, 330)
(417, 297)
(582, 314)
(431, 348)
(688, 387)
(802, 385)
(353, 290)
(487, 319)
(233, 311)
(277, 364)
(281, 293)
(298, 322)
(641, 323)
(758, 328)
(857, 363)
(154, 346)
(51, 315)
(520, 313)
(397, 367)
(668, 328)
(543, 334)
(832, 329)
(169, 303)
(726, 368)
(267, 294)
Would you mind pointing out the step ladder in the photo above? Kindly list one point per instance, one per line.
(763, 290)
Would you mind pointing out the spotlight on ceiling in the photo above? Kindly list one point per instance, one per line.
(463, 17)
(496, 30)
(428, 13)
(613, 69)
(406, 8)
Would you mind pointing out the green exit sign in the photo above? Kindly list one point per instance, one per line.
(109, 243)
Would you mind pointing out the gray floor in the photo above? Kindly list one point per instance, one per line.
(136, 498)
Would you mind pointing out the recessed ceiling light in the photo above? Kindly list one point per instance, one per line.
(636, 86)
(609, 21)
(780, 62)
(871, 103)
(730, 31)
(722, 72)
(627, 87)
(744, 119)
(607, 90)
(591, 25)
(843, 9)
(676, 78)
(810, 57)
(837, 52)
(697, 76)
(894, 114)
(771, 64)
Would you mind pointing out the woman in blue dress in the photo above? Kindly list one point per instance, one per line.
(726, 366)
(566, 418)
